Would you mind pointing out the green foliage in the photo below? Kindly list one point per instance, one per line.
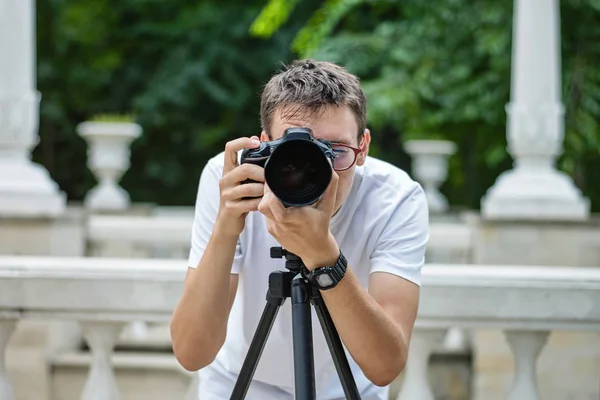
(113, 118)
(272, 16)
(321, 24)
(188, 70)
(441, 69)
(190, 73)
(581, 92)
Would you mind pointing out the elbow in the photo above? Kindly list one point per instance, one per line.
(383, 378)
(195, 353)
(192, 363)
(387, 374)
(192, 359)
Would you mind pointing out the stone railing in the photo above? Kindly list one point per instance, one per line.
(167, 235)
(525, 302)
(139, 236)
(104, 294)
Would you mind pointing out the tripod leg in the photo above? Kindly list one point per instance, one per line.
(304, 365)
(335, 347)
(256, 348)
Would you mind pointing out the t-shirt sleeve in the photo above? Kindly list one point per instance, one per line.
(400, 249)
(205, 215)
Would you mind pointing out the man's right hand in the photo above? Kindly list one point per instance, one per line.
(237, 199)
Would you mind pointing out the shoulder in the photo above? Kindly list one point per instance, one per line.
(212, 170)
(216, 162)
(384, 185)
(396, 208)
(208, 184)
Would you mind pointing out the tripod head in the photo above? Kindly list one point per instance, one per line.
(292, 261)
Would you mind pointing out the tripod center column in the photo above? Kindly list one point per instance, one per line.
(304, 365)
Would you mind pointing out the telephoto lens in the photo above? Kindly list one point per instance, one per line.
(298, 167)
(298, 172)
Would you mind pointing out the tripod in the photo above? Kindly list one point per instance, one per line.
(291, 283)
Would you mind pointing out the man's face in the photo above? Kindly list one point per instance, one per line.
(336, 125)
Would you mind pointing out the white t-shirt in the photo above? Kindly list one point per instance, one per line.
(382, 227)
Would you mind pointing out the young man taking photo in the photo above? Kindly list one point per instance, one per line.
(372, 220)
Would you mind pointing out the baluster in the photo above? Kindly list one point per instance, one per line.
(192, 391)
(525, 346)
(416, 379)
(7, 327)
(101, 383)
(457, 339)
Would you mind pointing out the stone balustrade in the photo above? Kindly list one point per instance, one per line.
(167, 235)
(139, 236)
(104, 294)
(525, 302)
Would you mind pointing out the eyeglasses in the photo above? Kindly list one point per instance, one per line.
(345, 156)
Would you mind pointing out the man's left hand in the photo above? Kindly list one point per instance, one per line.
(304, 231)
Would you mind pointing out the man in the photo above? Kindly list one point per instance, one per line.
(372, 215)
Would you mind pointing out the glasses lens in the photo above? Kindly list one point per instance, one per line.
(344, 157)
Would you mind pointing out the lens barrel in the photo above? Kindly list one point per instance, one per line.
(298, 172)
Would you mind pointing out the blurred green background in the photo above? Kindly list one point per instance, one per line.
(191, 73)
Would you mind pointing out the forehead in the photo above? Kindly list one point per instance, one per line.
(335, 124)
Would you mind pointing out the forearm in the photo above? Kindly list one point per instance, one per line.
(375, 342)
(199, 322)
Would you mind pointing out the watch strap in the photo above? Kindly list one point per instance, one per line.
(335, 272)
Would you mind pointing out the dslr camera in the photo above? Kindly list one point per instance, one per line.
(298, 167)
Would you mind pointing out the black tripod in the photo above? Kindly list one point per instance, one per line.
(284, 284)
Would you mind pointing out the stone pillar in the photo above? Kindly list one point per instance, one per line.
(534, 215)
(26, 188)
(534, 189)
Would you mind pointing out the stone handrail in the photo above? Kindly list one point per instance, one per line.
(168, 236)
(139, 236)
(104, 294)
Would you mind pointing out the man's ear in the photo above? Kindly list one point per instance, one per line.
(264, 137)
(366, 141)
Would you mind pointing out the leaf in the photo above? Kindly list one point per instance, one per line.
(321, 24)
(272, 17)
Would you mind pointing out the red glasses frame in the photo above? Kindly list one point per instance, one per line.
(355, 150)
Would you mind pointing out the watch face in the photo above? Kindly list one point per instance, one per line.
(324, 280)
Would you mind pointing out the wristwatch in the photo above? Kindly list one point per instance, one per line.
(327, 277)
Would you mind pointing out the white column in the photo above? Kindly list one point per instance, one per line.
(25, 187)
(526, 347)
(7, 326)
(534, 189)
(101, 383)
(416, 379)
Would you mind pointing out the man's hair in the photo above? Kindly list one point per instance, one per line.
(308, 87)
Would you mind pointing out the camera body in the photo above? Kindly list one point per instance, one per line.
(298, 167)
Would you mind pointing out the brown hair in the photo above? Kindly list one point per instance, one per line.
(307, 87)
